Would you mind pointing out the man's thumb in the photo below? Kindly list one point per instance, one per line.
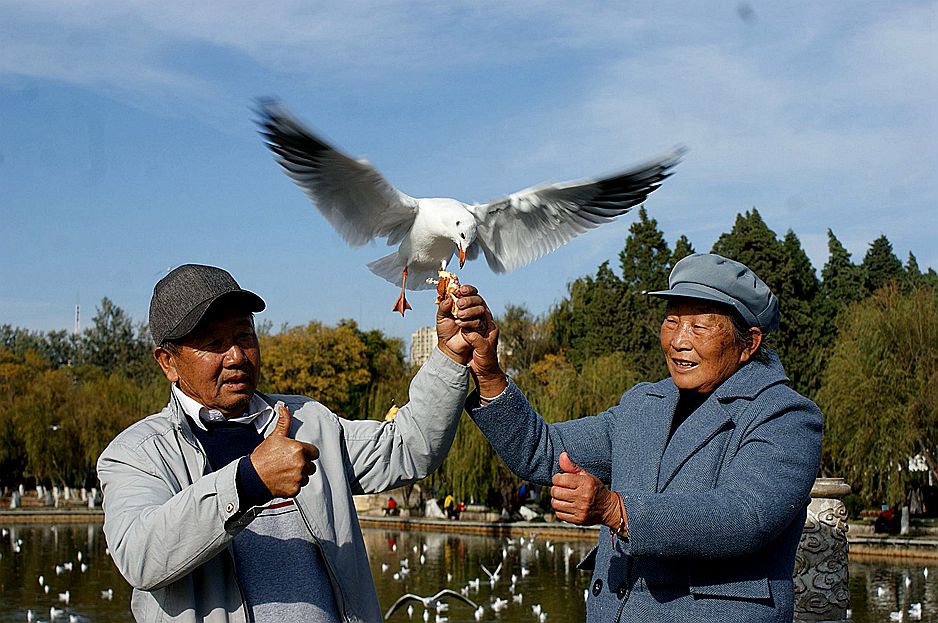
(283, 422)
(567, 466)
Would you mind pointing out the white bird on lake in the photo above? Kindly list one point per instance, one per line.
(65, 597)
(55, 613)
(493, 575)
(431, 602)
(107, 594)
(510, 231)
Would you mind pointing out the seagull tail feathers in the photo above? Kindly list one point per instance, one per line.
(391, 266)
(388, 267)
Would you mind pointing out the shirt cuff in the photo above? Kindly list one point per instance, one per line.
(474, 399)
(251, 489)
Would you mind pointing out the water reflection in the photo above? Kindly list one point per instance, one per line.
(407, 562)
(536, 574)
(893, 590)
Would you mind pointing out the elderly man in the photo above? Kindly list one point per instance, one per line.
(232, 505)
(701, 481)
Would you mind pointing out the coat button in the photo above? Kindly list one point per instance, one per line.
(620, 592)
(229, 508)
(597, 587)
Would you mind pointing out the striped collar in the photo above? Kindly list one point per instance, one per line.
(258, 411)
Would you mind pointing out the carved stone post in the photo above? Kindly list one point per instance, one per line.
(822, 593)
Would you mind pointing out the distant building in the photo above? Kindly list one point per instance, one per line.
(422, 342)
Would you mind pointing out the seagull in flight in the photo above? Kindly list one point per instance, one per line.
(510, 232)
(429, 602)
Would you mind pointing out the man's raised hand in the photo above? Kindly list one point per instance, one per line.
(471, 314)
(284, 464)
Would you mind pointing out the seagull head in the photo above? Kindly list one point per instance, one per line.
(464, 234)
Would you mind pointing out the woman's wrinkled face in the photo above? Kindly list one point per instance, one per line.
(699, 345)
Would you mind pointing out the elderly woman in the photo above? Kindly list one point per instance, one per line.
(700, 481)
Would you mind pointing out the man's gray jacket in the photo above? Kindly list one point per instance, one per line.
(169, 520)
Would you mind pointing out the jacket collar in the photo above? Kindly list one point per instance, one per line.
(702, 425)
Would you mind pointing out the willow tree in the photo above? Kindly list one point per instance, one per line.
(880, 392)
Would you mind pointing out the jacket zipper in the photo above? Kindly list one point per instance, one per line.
(234, 565)
(322, 554)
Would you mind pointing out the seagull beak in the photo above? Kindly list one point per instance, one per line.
(462, 256)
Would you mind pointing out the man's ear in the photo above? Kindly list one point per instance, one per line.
(167, 363)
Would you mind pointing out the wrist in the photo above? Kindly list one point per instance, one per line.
(491, 387)
(616, 517)
(449, 352)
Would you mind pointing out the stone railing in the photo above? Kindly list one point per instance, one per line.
(822, 592)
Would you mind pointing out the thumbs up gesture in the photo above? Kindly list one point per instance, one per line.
(284, 464)
(578, 497)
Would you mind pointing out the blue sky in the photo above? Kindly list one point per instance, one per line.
(127, 144)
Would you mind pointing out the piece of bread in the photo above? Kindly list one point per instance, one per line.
(448, 285)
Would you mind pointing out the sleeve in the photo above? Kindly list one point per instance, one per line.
(157, 534)
(765, 485)
(390, 454)
(531, 448)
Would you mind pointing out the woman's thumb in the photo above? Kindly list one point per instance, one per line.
(567, 466)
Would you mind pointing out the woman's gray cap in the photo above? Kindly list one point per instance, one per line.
(181, 298)
(715, 278)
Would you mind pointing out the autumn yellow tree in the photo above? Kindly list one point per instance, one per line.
(327, 364)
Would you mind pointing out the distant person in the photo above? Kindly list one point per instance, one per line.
(889, 521)
(391, 508)
(232, 505)
(700, 481)
(449, 503)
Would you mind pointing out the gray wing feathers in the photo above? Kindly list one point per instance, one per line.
(351, 194)
(518, 229)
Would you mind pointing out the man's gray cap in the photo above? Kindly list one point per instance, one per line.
(181, 299)
(715, 278)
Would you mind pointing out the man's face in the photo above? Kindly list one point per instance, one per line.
(699, 345)
(218, 364)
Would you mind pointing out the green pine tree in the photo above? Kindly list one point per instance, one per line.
(803, 322)
(646, 264)
(880, 265)
(842, 283)
(682, 248)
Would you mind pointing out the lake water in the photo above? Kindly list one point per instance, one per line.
(435, 560)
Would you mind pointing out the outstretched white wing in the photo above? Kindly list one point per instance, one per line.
(353, 196)
(516, 230)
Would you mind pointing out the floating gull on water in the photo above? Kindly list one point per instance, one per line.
(429, 602)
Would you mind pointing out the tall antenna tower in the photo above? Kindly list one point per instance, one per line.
(77, 327)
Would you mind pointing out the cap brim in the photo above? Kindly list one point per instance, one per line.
(706, 293)
(251, 303)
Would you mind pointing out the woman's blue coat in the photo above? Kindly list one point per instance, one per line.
(714, 515)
